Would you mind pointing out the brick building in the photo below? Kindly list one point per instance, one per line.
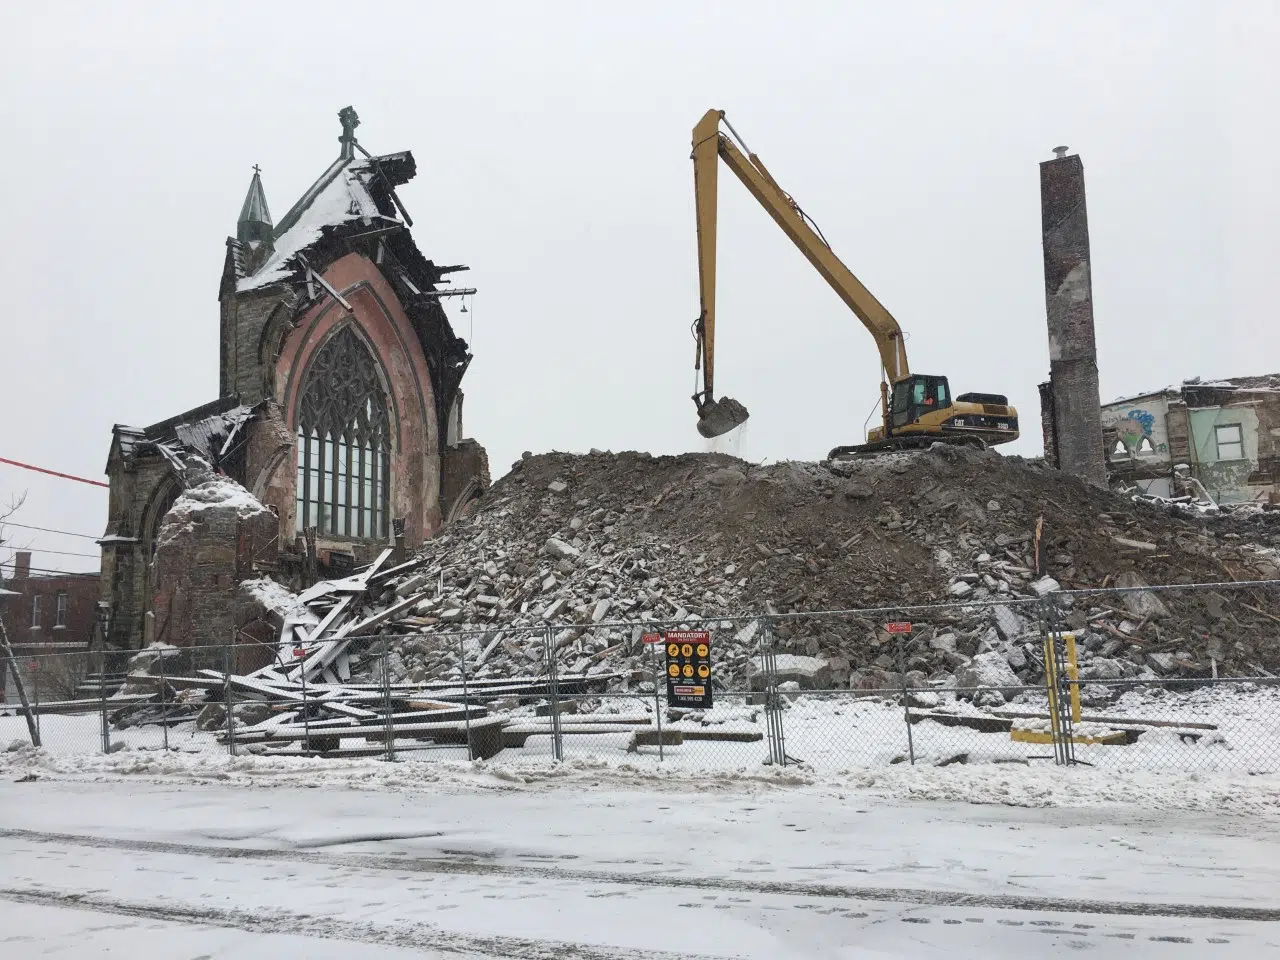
(49, 610)
(339, 402)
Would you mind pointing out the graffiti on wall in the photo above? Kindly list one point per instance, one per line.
(1134, 435)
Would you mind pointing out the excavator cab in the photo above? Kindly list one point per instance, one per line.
(915, 397)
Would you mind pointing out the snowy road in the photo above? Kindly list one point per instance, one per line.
(185, 872)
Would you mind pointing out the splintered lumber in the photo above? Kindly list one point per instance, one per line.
(430, 705)
(588, 720)
(256, 686)
(76, 706)
(390, 572)
(1132, 721)
(484, 655)
(1102, 737)
(326, 588)
(723, 736)
(984, 723)
(368, 623)
(651, 738)
(515, 734)
(346, 709)
(369, 731)
(338, 609)
(320, 657)
(354, 752)
(352, 727)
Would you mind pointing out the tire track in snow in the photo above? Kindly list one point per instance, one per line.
(411, 935)
(937, 898)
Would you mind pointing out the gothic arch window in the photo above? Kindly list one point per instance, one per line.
(344, 443)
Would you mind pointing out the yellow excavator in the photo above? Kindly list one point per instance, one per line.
(916, 410)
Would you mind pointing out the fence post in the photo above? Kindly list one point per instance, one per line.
(102, 699)
(164, 705)
(229, 701)
(553, 684)
(466, 694)
(657, 700)
(906, 698)
(35, 684)
(390, 726)
(772, 699)
(1060, 726)
(306, 712)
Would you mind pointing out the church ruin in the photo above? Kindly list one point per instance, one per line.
(339, 395)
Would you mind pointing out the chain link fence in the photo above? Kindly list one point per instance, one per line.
(1152, 678)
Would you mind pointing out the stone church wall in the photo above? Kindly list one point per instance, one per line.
(208, 543)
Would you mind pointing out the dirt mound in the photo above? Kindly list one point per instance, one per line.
(593, 539)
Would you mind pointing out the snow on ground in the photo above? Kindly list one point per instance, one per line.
(214, 870)
(840, 743)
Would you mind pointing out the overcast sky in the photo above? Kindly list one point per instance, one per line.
(552, 142)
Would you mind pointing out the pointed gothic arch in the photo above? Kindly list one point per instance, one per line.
(344, 442)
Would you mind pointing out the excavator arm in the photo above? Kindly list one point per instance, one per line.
(709, 146)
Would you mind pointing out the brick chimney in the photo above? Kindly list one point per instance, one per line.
(21, 565)
(1069, 403)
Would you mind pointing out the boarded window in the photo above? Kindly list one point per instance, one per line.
(344, 443)
(1230, 440)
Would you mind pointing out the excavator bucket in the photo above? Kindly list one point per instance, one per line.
(717, 417)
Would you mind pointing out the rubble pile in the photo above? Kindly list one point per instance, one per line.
(583, 542)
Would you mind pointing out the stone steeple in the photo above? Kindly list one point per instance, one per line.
(254, 225)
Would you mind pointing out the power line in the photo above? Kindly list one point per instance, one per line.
(61, 553)
(65, 533)
(60, 573)
(54, 473)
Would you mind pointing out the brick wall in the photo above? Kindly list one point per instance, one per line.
(464, 475)
(81, 591)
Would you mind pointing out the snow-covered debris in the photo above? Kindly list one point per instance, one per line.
(988, 671)
(219, 492)
(277, 599)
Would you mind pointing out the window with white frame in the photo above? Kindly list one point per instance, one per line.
(60, 609)
(35, 612)
(1230, 439)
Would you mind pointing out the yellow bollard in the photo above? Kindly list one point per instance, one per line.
(1073, 674)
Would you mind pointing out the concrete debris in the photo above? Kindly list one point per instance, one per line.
(688, 539)
(1141, 605)
(1045, 586)
(707, 541)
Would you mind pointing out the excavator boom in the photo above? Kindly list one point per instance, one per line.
(923, 410)
(710, 146)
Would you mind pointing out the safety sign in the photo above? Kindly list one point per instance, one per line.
(688, 668)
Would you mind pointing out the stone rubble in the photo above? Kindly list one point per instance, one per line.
(584, 546)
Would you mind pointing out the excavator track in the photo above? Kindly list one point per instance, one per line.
(915, 441)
